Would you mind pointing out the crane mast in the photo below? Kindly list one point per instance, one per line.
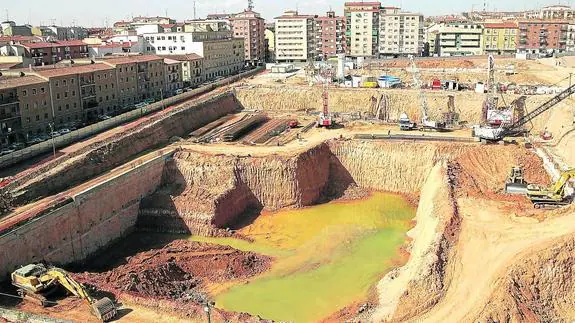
(426, 123)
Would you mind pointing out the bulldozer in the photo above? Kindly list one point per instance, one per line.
(516, 183)
(553, 196)
(36, 281)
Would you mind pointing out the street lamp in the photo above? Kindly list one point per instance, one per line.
(207, 309)
(51, 125)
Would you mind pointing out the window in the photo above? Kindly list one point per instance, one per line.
(71, 81)
(66, 94)
(57, 84)
(24, 93)
(63, 82)
(57, 96)
(67, 106)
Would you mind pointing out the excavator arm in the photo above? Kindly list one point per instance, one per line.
(64, 279)
(559, 186)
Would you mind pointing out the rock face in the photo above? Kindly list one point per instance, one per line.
(538, 288)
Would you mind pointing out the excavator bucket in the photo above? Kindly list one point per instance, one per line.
(515, 188)
(104, 309)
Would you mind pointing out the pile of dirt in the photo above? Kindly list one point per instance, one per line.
(424, 63)
(181, 269)
(5, 203)
(482, 172)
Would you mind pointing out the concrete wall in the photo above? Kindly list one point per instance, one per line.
(91, 221)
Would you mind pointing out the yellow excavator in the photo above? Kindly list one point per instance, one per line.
(552, 196)
(36, 281)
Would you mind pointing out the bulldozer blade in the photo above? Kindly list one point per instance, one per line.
(104, 309)
(514, 188)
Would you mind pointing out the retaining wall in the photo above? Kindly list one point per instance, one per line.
(92, 220)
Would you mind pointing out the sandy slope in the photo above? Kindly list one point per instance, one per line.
(489, 242)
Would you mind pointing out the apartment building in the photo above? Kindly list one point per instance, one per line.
(570, 35)
(456, 38)
(81, 92)
(47, 53)
(542, 36)
(192, 67)
(294, 40)
(250, 26)
(22, 107)
(223, 57)
(500, 38)
(9, 28)
(362, 28)
(400, 33)
(557, 12)
(181, 43)
(144, 78)
(173, 77)
(329, 35)
(206, 25)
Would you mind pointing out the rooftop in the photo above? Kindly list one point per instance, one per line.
(500, 25)
(186, 57)
(131, 59)
(71, 70)
(12, 82)
(60, 43)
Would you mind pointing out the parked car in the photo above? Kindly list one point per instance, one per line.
(104, 117)
(179, 91)
(33, 141)
(64, 131)
(44, 137)
(17, 146)
(6, 151)
(55, 134)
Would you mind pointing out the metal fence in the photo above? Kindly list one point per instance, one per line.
(74, 136)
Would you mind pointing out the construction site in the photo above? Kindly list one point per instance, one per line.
(293, 197)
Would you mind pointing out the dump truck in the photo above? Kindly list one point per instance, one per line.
(553, 196)
(516, 183)
(37, 281)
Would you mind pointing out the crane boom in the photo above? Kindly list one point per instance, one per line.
(419, 86)
(542, 108)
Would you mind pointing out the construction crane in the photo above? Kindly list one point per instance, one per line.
(554, 195)
(425, 122)
(490, 133)
(325, 118)
(36, 281)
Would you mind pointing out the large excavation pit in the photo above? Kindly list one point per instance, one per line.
(346, 229)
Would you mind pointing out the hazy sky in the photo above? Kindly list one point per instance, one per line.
(96, 13)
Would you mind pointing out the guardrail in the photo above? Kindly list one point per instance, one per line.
(77, 135)
(422, 137)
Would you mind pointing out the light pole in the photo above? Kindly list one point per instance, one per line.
(207, 309)
(51, 125)
(162, 98)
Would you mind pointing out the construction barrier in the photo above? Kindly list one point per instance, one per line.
(77, 135)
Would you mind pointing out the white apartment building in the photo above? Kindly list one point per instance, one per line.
(570, 45)
(557, 12)
(400, 33)
(294, 37)
(181, 43)
(456, 38)
(222, 55)
(362, 28)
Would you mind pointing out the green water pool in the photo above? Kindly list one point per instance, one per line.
(326, 257)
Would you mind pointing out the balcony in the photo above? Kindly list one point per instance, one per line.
(9, 101)
(87, 82)
(90, 104)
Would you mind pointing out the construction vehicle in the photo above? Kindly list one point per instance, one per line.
(405, 123)
(426, 124)
(553, 196)
(369, 82)
(516, 183)
(37, 281)
(489, 133)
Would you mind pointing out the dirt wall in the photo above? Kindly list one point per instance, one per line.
(123, 147)
(300, 98)
(90, 222)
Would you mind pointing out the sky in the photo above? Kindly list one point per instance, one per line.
(100, 12)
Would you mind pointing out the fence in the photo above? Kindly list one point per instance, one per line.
(74, 136)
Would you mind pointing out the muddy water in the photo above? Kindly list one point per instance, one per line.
(327, 257)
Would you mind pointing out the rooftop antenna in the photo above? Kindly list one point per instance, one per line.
(166, 12)
(250, 5)
(195, 10)
(7, 15)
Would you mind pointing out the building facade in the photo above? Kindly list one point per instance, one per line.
(294, 37)
(456, 38)
(557, 12)
(192, 68)
(500, 38)
(329, 35)
(223, 57)
(47, 53)
(400, 33)
(362, 28)
(181, 43)
(173, 77)
(9, 28)
(250, 26)
(542, 36)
